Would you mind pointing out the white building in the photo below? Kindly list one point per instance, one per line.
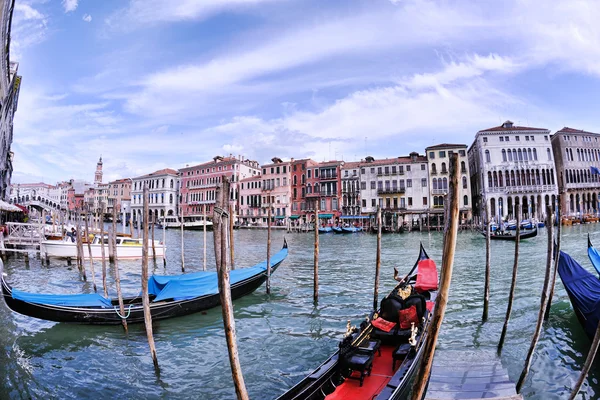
(163, 191)
(513, 165)
(350, 172)
(438, 157)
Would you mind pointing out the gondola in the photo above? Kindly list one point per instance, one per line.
(351, 229)
(170, 296)
(583, 289)
(379, 360)
(325, 229)
(337, 229)
(512, 235)
(593, 255)
(384, 229)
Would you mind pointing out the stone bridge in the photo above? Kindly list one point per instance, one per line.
(38, 201)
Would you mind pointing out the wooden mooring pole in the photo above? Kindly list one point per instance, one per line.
(543, 300)
(182, 248)
(145, 296)
(377, 260)
(153, 248)
(164, 241)
(204, 237)
(420, 383)
(513, 283)
(269, 246)
(89, 246)
(220, 216)
(103, 259)
(588, 362)
(231, 245)
(556, 257)
(486, 286)
(316, 259)
(113, 244)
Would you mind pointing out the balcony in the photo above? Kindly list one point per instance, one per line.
(444, 172)
(328, 193)
(433, 172)
(399, 190)
(328, 177)
(522, 189)
(313, 194)
(201, 186)
(393, 209)
(439, 191)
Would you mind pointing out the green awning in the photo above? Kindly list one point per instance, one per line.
(325, 215)
(294, 216)
(280, 217)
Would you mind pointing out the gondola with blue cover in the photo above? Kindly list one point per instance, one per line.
(170, 296)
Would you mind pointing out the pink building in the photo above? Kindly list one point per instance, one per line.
(251, 201)
(276, 189)
(199, 182)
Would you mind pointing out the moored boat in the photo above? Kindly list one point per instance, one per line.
(337, 229)
(325, 229)
(583, 289)
(593, 255)
(126, 248)
(170, 296)
(351, 229)
(379, 360)
(512, 235)
(190, 222)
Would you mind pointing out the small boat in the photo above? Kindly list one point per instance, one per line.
(527, 224)
(593, 255)
(383, 345)
(325, 229)
(351, 229)
(337, 229)
(384, 229)
(590, 219)
(170, 296)
(512, 235)
(541, 224)
(566, 221)
(190, 222)
(583, 289)
(127, 247)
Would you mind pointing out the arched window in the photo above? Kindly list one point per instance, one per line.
(171, 197)
(171, 183)
(433, 168)
(463, 167)
(464, 181)
(303, 179)
(444, 168)
(163, 182)
(515, 159)
(503, 155)
(465, 200)
(487, 156)
(530, 154)
(445, 184)
(309, 188)
(520, 153)
(548, 152)
(510, 157)
(295, 180)
(435, 183)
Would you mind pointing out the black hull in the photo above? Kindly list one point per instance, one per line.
(512, 236)
(323, 380)
(133, 306)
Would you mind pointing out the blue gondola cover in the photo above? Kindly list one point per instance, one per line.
(66, 300)
(584, 291)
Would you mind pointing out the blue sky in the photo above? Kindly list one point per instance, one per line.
(155, 83)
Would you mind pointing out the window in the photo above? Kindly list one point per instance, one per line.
(380, 185)
(462, 153)
(527, 138)
(487, 156)
(393, 169)
(409, 183)
(372, 184)
(546, 137)
(387, 170)
(363, 185)
(364, 203)
(549, 154)
(362, 170)
(503, 155)
(442, 154)
(308, 174)
(408, 168)
(464, 182)
(373, 203)
(323, 204)
(372, 170)
(424, 201)
(466, 200)
(432, 155)
(517, 138)
(346, 173)
(410, 201)
(422, 167)
(484, 140)
(532, 138)
(423, 182)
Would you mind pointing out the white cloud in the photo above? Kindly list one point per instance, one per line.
(29, 28)
(70, 5)
(87, 17)
(28, 12)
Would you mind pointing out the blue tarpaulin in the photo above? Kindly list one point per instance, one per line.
(67, 300)
(188, 286)
(594, 258)
(584, 291)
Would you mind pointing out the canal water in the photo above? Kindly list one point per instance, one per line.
(283, 336)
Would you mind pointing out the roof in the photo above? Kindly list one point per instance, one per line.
(508, 126)
(445, 146)
(351, 164)
(221, 160)
(396, 160)
(571, 130)
(124, 180)
(165, 171)
(251, 178)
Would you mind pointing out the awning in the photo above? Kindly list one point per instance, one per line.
(294, 216)
(4, 206)
(325, 215)
(280, 217)
(354, 217)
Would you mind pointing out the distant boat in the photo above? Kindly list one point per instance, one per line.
(583, 289)
(512, 235)
(170, 296)
(191, 222)
(325, 229)
(351, 229)
(337, 229)
(127, 248)
(384, 229)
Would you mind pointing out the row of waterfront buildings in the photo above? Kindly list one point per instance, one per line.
(504, 166)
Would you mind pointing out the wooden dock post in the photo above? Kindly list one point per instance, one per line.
(89, 246)
(145, 296)
(556, 257)
(269, 246)
(316, 259)
(588, 361)
(204, 235)
(543, 301)
(182, 249)
(513, 284)
(130, 224)
(113, 243)
(420, 383)
(486, 289)
(377, 260)
(153, 249)
(231, 244)
(103, 258)
(220, 215)
(164, 241)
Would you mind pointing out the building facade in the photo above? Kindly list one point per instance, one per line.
(277, 189)
(163, 193)
(512, 165)
(438, 158)
(119, 191)
(304, 201)
(251, 202)
(350, 178)
(199, 183)
(575, 153)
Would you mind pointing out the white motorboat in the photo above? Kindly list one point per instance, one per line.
(127, 248)
(189, 222)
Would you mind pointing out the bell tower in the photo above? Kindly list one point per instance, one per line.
(98, 174)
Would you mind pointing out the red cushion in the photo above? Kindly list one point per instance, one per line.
(382, 324)
(427, 278)
(429, 305)
(407, 316)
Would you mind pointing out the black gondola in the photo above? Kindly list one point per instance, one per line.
(170, 296)
(512, 235)
(392, 357)
(384, 229)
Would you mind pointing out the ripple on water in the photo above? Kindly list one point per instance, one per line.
(284, 335)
